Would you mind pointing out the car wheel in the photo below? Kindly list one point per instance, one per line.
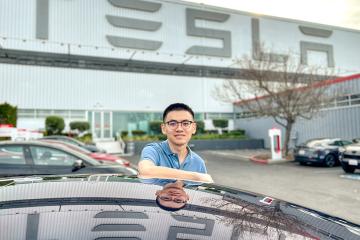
(303, 163)
(348, 169)
(330, 160)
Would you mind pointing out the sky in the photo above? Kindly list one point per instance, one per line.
(343, 13)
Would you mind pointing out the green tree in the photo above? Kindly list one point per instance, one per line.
(8, 114)
(155, 127)
(81, 126)
(220, 124)
(54, 125)
(200, 127)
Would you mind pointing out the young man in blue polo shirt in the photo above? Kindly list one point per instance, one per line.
(163, 162)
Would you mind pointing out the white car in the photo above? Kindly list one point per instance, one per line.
(350, 158)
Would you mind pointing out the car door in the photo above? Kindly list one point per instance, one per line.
(13, 161)
(49, 160)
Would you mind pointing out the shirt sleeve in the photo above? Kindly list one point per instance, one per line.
(203, 167)
(150, 153)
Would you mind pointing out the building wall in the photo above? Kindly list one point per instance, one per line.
(82, 27)
(339, 121)
(64, 88)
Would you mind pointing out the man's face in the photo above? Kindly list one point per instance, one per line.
(172, 195)
(178, 126)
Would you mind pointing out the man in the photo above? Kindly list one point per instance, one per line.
(173, 159)
(172, 197)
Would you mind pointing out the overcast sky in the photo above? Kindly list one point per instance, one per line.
(344, 13)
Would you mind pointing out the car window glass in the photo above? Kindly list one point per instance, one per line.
(335, 143)
(50, 156)
(344, 143)
(11, 155)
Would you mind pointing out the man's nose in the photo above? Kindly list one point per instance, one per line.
(179, 127)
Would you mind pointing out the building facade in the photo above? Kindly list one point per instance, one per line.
(119, 63)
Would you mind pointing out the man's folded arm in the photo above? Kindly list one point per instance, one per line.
(147, 169)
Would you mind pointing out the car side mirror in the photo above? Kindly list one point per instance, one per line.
(78, 164)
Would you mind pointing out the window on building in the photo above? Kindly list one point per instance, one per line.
(355, 99)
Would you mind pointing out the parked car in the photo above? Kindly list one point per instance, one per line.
(350, 158)
(323, 151)
(115, 207)
(35, 157)
(91, 148)
(102, 157)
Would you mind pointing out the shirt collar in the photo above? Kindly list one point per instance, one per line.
(169, 152)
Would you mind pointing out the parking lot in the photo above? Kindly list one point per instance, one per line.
(329, 190)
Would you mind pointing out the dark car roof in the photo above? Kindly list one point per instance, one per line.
(107, 206)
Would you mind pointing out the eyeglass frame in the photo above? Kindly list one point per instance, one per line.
(171, 199)
(177, 124)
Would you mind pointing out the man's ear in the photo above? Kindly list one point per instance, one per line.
(194, 128)
(163, 130)
(157, 193)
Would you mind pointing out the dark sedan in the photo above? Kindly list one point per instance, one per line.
(91, 148)
(323, 151)
(37, 158)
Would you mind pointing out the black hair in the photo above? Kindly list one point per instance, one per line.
(177, 107)
(169, 209)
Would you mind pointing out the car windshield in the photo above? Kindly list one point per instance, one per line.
(182, 94)
(317, 142)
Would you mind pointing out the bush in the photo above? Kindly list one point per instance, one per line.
(200, 127)
(220, 123)
(211, 131)
(86, 138)
(8, 114)
(155, 127)
(138, 132)
(80, 126)
(124, 134)
(237, 132)
(54, 125)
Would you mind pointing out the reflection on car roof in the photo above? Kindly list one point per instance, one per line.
(105, 206)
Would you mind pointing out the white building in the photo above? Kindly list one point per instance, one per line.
(119, 63)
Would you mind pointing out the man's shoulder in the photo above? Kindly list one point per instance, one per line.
(155, 149)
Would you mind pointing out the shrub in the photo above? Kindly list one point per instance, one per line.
(54, 125)
(200, 127)
(81, 126)
(211, 131)
(138, 132)
(8, 114)
(220, 123)
(86, 138)
(237, 132)
(155, 127)
(124, 134)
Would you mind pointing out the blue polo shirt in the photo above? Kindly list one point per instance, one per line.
(161, 155)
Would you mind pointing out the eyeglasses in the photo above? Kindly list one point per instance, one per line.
(184, 124)
(171, 199)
